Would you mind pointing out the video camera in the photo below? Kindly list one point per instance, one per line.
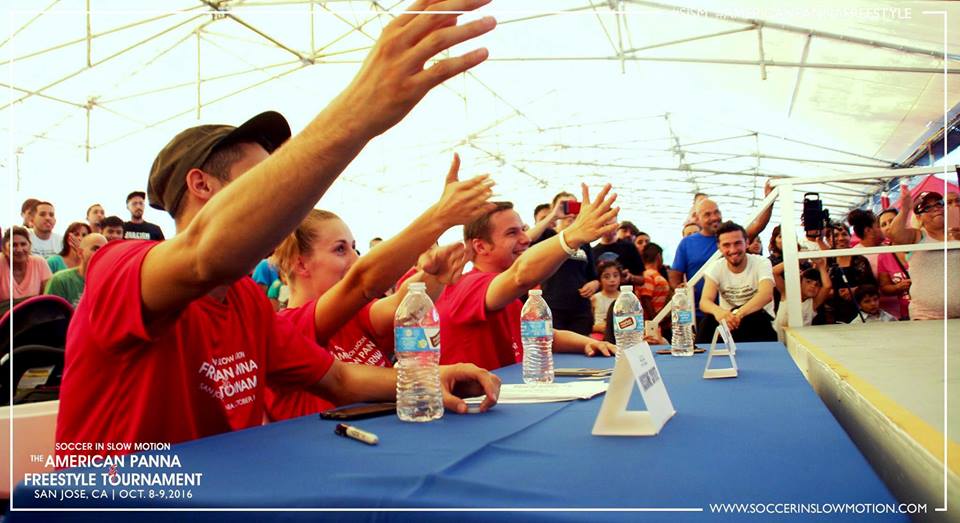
(814, 217)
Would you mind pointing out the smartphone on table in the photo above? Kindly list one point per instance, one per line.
(364, 411)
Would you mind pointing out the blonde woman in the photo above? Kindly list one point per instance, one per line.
(334, 291)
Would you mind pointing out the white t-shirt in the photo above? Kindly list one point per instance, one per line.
(601, 302)
(45, 248)
(736, 289)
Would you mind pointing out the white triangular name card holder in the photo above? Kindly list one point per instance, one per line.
(723, 331)
(634, 367)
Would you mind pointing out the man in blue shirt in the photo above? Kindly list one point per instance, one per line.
(696, 249)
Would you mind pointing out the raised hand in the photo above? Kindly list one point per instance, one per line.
(463, 202)
(597, 216)
(394, 78)
(444, 264)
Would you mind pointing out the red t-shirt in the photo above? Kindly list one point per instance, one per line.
(354, 342)
(469, 333)
(198, 374)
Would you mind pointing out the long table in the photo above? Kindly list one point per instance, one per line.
(764, 437)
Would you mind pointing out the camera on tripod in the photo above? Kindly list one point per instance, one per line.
(814, 217)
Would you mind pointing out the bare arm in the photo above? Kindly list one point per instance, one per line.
(541, 260)
(900, 233)
(347, 383)
(567, 341)
(390, 83)
(535, 232)
(708, 299)
(760, 223)
(676, 278)
(778, 281)
(437, 268)
(826, 285)
(763, 296)
(380, 268)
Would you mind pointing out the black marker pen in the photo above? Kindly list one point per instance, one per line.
(348, 431)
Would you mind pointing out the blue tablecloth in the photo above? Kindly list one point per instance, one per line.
(764, 437)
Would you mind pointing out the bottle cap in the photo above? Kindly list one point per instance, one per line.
(417, 286)
(626, 288)
(535, 292)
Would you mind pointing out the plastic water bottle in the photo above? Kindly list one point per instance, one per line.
(536, 331)
(682, 319)
(417, 341)
(627, 319)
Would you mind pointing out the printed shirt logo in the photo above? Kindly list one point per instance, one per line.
(232, 379)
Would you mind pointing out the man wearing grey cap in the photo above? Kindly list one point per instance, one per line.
(171, 341)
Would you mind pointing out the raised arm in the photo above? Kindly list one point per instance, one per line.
(535, 232)
(826, 286)
(900, 233)
(541, 260)
(276, 194)
(437, 268)
(379, 269)
(760, 223)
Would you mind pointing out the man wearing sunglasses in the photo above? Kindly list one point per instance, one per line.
(927, 267)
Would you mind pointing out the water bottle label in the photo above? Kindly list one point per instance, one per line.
(628, 323)
(416, 339)
(684, 317)
(535, 329)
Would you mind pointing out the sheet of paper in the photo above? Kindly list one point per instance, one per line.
(547, 392)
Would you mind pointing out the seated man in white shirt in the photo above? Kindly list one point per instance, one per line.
(745, 285)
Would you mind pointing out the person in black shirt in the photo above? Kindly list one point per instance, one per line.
(137, 228)
(569, 289)
(846, 274)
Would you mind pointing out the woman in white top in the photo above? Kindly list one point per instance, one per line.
(927, 267)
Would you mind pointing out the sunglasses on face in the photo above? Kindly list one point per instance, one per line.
(930, 206)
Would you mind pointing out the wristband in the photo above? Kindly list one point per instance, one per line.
(566, 248)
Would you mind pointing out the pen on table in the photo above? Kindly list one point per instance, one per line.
(349, 431)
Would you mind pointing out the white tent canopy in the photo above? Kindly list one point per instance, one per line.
(660, 100)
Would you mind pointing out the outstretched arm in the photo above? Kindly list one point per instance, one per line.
(535, 232)
(540, 261)
(390, 83)
(379, 269)
(347, 383)
(437, 268)
(900, 233)
(760, 223)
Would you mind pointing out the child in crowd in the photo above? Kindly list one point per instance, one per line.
(868, 298)
(610, 272)
(655, 293)
(815, 288)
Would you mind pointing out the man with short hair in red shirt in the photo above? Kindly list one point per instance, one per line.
(172, 341)
(480, 315)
